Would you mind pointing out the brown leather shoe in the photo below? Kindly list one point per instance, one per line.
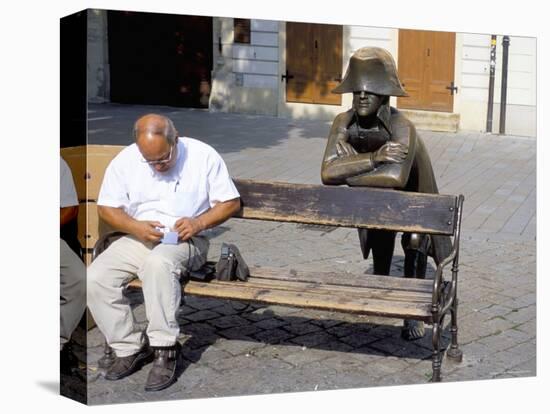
(164, 370)
(124, 366)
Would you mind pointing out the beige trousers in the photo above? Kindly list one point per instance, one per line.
(159, 267)
(72, 296)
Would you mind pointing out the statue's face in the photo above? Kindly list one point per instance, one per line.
(365, 103)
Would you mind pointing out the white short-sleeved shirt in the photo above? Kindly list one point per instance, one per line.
(67, 192)
(198, 180)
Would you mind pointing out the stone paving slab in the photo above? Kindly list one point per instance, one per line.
(234, 349)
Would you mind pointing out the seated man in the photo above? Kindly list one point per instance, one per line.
(161, 182)
(72, 271)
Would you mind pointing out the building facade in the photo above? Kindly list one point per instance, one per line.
(288, 69)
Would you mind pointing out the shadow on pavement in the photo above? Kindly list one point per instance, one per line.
(111, 124)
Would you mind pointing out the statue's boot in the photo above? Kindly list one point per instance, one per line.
(412, 330)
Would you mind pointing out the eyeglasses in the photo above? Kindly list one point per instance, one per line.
(163, 161)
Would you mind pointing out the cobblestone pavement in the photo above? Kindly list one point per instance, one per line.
(231, 348)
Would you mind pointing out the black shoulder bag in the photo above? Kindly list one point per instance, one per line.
(231, 265)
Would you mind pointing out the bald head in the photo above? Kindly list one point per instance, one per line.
(156, 138)
(152, 126)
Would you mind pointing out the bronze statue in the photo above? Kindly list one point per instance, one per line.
(374, 145)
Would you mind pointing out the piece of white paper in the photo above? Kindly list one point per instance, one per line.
(170, 237)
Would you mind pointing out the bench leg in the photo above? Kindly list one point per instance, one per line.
(436, 356)
(454, 353)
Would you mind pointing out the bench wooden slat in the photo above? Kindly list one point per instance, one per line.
(88, 164)
(382, 294)
(347, 207)
(310, 299)
(76, 159)
(344, 279)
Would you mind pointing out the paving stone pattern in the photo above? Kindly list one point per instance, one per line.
(231, 348)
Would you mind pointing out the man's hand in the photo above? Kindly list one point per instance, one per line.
(391, 152)
(188, 227)
(146, 231)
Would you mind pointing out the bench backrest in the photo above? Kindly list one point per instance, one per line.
(88, 164)
(314, 204)
(348, 207)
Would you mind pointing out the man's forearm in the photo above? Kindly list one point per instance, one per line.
(219, 213)
(117, 219)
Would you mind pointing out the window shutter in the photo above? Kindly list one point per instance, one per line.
(241, 30)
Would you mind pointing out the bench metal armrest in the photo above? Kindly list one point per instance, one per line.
(441, 305)
(104, 241)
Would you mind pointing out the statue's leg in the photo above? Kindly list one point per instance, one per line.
(421, 265)
(415, 267)
(382, 243)
(410, 263)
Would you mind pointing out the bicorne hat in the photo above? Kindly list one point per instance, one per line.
(371, 69)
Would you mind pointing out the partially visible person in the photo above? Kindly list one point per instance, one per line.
(72, 271)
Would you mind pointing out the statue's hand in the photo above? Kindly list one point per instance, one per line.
(393, 152)
(344, 148)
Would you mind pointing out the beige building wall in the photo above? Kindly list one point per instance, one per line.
(473, 96)
(245, 76)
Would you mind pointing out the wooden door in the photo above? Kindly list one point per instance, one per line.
(313, 63)
(426, 64)
(194, 60)
(299, 63)
(162, 59)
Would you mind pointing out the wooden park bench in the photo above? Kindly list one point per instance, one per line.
(383, 296)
